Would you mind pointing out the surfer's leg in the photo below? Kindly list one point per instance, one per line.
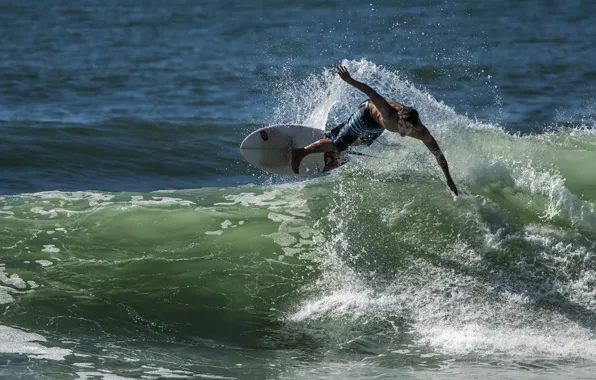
(339, 139)
(319, 146)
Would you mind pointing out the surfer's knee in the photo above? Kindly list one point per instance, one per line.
(343, 142)
(340, 145)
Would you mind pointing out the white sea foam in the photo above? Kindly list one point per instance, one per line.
(84, 375)
(12, 280)
(53, 213)
(15, 341)
(94, 198)
(50, 248)
(162, 201)
(218, 232)
(268, 198)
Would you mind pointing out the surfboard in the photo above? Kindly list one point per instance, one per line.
(269, 149)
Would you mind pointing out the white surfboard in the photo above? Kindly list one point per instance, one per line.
(270, 148)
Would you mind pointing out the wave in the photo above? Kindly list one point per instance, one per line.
(376, 257)
(119, 153)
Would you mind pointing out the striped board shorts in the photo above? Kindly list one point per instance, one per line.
(361, 125)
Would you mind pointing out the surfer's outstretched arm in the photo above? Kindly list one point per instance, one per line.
(380, 102)
(432, 145)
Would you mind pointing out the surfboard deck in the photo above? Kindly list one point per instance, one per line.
(269, 149)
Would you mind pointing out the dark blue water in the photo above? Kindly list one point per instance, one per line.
(85, 86)
(137, 242)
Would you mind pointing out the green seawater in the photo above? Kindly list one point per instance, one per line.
(370, 266)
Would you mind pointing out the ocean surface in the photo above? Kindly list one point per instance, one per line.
(136, 243)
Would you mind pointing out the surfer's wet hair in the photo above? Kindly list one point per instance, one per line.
(409, 115)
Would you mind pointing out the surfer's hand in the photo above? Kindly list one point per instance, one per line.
(452, 186)
(343, 73)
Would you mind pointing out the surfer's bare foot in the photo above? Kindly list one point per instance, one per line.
(297, 156)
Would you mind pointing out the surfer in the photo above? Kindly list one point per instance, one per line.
(371, 119)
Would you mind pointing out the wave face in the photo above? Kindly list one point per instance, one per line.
(375, 260)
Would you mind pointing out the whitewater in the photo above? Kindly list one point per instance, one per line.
(373, 270)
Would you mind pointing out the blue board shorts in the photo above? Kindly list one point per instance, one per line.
(342, 138)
